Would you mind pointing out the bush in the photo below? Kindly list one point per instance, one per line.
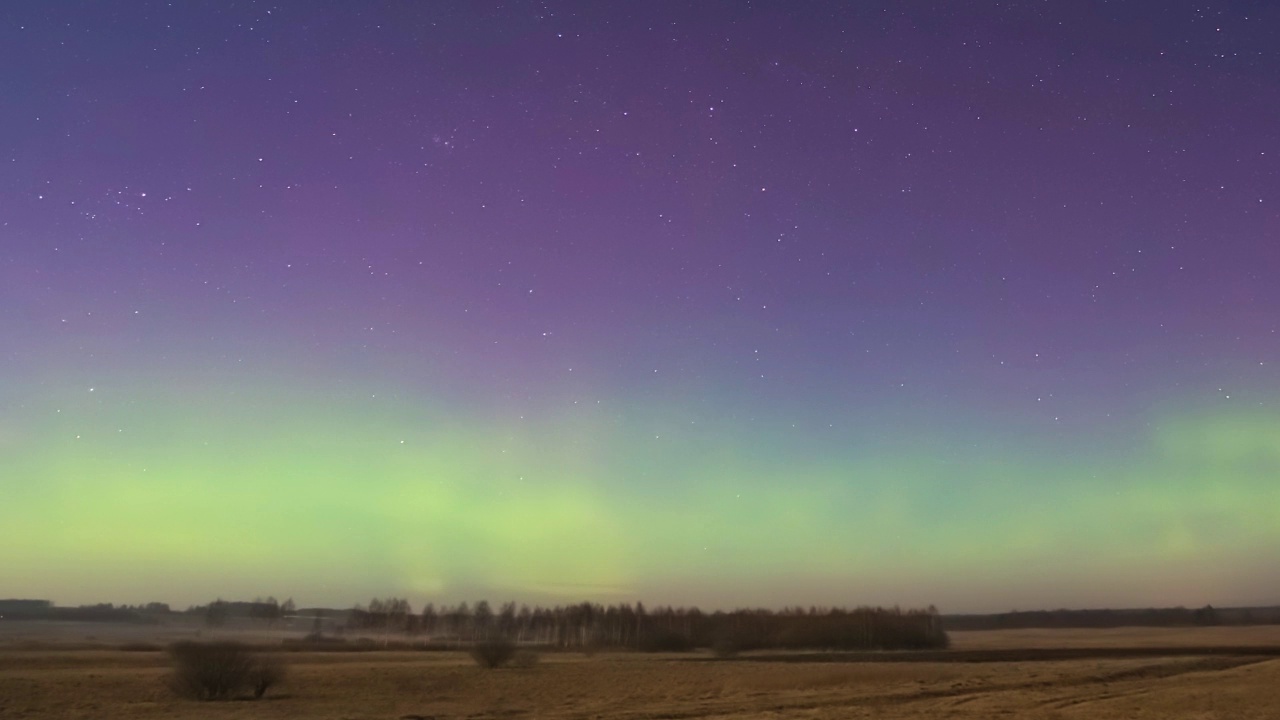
(493, 653)
(220, 670)
(266, 672)
(724, 646)
(524, 659)
(666, 641)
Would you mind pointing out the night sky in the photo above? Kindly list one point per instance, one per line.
(714, 303)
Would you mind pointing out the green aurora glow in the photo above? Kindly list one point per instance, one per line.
(239, 490)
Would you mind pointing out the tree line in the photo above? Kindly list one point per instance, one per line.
(1143, 617)
(591, 625)
(99, 612)
(269, 610)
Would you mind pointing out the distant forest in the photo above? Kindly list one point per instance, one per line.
(583, 626)
(1146, 617)
(588, 626)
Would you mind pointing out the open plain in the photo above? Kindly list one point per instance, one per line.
(1187, 673)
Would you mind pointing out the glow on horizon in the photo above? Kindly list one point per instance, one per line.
(245, 490)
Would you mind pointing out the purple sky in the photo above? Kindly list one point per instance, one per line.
(965, 303)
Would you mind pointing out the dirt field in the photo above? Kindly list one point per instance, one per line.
(1153, 677)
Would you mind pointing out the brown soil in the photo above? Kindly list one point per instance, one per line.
(1206, 678)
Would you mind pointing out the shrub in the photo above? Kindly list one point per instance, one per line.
(209, 671)
(266, 672)
(524, 659)
(724, 646)
(494, 652)
(220, 670)
(666, 641)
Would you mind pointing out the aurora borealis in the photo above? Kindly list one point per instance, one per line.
(717, 303)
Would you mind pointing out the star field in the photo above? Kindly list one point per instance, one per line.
(731, 303)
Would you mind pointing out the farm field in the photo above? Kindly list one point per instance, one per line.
(1123, 673)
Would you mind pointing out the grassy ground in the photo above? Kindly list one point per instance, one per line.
(51, 683)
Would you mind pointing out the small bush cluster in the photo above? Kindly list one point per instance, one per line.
(666, 641)
(493, 652)
(221, 670)
(725, 646)
(524, 659)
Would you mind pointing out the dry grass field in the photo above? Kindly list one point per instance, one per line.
(61, 680)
